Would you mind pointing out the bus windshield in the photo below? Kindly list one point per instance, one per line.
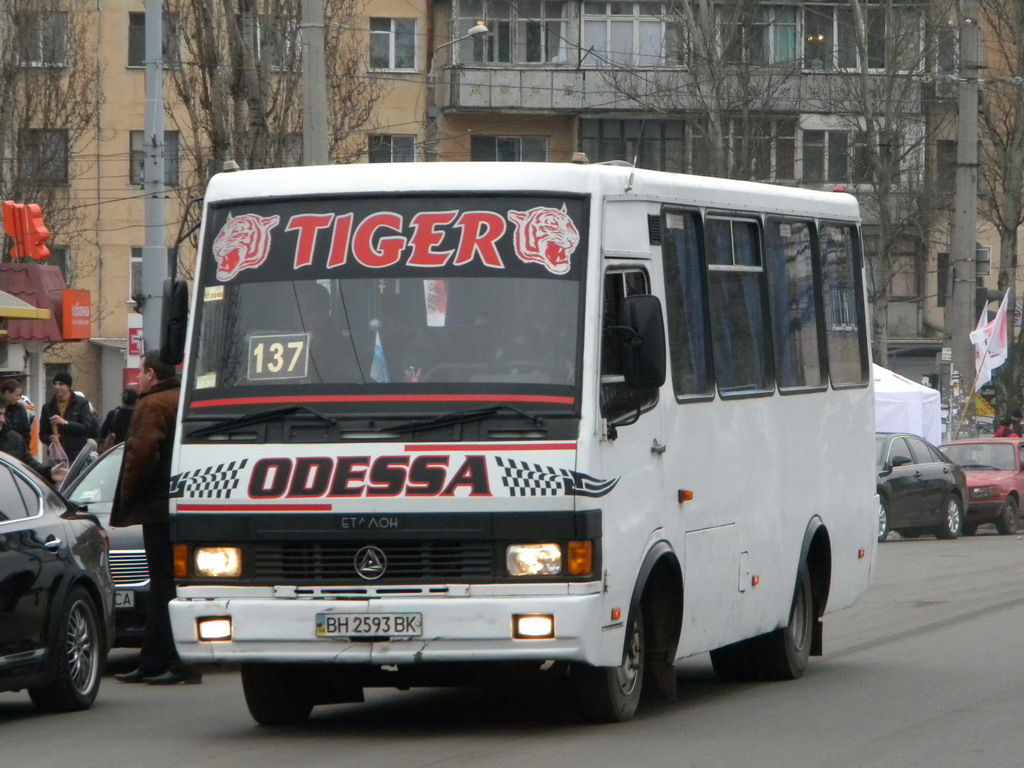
(313, 323)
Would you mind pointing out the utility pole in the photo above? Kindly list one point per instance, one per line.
(314, 78)
(960, 307)
(154, 252)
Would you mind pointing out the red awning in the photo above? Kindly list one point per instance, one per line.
(40, 285)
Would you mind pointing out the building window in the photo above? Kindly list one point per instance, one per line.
(135, 276)
(762, 148)
(758, 36)
(826, 156)
(46, 156)
(388, 148)
(830, 38)
(138, 158)
(658, 145)
(43, 38)
(137, 40)
(532, 32)
(630, 34)
(509, 149)
(393, 44)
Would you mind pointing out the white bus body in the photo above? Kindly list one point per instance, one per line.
(455, 452)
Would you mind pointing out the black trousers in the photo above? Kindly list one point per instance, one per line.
(158, 651)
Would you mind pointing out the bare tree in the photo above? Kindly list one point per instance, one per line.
(1001, 130)
(238, 84)
(49, 108)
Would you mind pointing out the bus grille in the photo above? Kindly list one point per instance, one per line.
(318, 561)
(128, 567)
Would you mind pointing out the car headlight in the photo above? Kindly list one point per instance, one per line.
(984, 492)
(218, 562)
(533, 559)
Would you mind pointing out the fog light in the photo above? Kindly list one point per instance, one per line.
(533, 627)
(218, 562)
(214, 628)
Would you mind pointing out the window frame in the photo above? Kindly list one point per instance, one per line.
(44, 149)
(392, 36)
(389, 140)
(137, 158)
(605, 55)
(39, 46)
(515, 143)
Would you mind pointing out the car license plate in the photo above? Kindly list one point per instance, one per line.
(369, 624)
(124, 598)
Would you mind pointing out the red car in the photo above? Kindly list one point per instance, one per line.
(995, 480)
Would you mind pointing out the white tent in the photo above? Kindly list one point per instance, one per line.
(903, 406)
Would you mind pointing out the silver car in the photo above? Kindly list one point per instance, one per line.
(93, 489)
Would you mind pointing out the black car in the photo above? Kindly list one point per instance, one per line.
(56, 594)
(920, 490)
(93, 488)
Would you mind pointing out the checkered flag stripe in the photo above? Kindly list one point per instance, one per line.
(522, 478)
(208, 483)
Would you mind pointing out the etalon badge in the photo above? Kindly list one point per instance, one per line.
(370, 563)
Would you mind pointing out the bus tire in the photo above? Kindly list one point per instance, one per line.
(612, 694)
(273, 694)
(78, 657)
(784, 652)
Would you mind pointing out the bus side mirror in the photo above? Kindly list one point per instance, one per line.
(174, 321)
(642, 341)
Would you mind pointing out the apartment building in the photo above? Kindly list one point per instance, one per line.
(783, 92)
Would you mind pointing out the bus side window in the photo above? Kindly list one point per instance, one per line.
(689, 334)
(793, 299)
(617, 399)
(845, 329)
(736, 297)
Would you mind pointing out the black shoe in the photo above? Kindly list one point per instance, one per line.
(175, 675)
(135, 676)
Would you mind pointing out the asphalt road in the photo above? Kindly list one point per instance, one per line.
(924, 671)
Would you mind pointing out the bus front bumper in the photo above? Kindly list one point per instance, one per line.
(467, 628)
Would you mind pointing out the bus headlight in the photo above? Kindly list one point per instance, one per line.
(533, 559)
(218, 562)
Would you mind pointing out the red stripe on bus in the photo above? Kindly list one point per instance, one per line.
(254, 507)
(287, 399)
(462, 447)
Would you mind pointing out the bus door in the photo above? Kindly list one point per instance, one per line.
(635, 440)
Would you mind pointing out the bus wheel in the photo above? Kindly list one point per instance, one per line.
(273, 694)
(611, 694)
(785, 651)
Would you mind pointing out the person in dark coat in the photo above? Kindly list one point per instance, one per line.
(142, 498)
(115, 425)
(12, 444)
(17, 415)
(68, 417)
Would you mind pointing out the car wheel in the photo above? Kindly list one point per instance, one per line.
(952, 523)
(883, 520)
(1007, 522)
(611, 694)
(78, 656)
(274, 694)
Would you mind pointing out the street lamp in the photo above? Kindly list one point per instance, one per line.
(432, 112)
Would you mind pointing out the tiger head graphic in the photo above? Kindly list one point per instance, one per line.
(242, 243)
(547, 236)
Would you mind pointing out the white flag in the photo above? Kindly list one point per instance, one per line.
(379, 366)
(991, 342)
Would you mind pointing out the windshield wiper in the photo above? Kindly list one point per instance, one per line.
(460, 417)
(259, 417)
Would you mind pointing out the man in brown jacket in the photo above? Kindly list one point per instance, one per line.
(141, 498)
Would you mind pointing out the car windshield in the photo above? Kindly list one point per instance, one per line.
(982, 455)
(99, 483)
(361, 304)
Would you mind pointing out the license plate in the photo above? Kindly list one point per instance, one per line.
(369, 624)
(124, 598)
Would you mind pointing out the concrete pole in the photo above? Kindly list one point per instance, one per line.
(314, 77)
(960, 308)
(154, 252)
